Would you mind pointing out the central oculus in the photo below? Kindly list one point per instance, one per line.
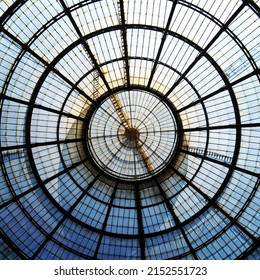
(132, 135)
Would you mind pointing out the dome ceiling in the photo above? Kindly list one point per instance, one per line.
(129, 129)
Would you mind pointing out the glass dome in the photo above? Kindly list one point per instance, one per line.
(130, 129)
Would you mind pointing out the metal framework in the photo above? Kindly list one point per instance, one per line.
(129, 129)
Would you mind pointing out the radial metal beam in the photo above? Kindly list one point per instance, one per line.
(65, 216)
(18, 197)
(113, 195)
(124, 37)
(218, 127)
(85, 44)
(50, 66)
(234, 37)
(41, 107)
(204, 51)
(208, 153)
(12, 246)
(226, 87)
(165, 33)
(39, 185)
(213, 203)
(42, 144)
(140, 221)
(175, 218)
(229, 165)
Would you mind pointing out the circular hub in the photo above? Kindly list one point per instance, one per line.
(132, 135)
